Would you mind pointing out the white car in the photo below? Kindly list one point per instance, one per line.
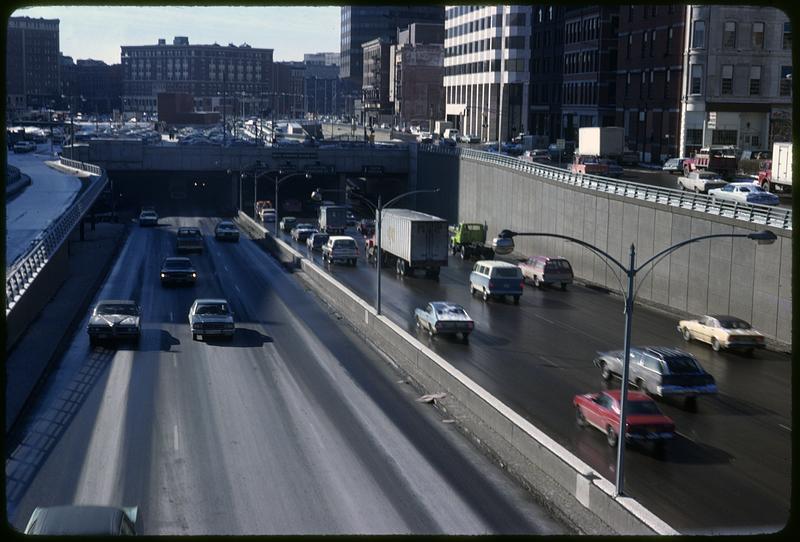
(148, 218)
(268, 215)
(744, 193)
(209, 317)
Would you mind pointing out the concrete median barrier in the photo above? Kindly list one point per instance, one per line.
(572, 489)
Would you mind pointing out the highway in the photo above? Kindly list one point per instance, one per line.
(294, 427)
(728, 471)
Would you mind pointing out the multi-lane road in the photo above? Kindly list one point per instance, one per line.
(295, 426)
(728, 471)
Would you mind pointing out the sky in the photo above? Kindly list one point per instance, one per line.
(97, 32)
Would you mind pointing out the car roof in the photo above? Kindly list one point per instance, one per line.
(340, 238)
(665, 352)
(632, 395)
(65, 520)
(725, 317)
(495, 263)
(210, 301)
(743, 183)
(446, 305)
(177, 259)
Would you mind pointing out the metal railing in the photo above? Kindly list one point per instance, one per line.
(756, 214)
(25, 269)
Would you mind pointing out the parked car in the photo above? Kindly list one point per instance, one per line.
(744, 193)
(366, 227)
(301, 232)
(340, 248)
(148, 218)
(226, 230)
(439, 317)
(178, 269)
(701, 181)
(24, 146)
(287, 223)
(661, 371)
(189, 239)
(542, 270)
(211, 317)
(84, 520)
(315, 241)
(644, 421)
(492, 278)
(673, 165)
(722, 331)
(114, 319)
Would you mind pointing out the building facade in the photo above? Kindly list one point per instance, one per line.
(32, 64)
(736, 82)
(650, 69)
(375, 86)
(210, 73)
(487, 63)
(416, 77)
(92, 85)
(289, 96)
(547, 62)
(324, 59)
(321, 91)
(589, 71)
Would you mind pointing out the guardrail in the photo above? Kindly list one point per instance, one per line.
(756, 214)
(20, 276)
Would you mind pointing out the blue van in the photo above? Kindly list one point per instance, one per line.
(492, 278)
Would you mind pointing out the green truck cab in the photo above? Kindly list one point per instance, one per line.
(469, 241)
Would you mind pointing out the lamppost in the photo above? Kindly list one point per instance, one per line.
(378, 216)
(504, 244)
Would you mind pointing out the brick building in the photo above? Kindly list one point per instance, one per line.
(32, 64)
(416, 77)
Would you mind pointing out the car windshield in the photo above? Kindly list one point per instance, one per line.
(643, 407)
(682, 364)
(733, 323)
(188, 233)
(506, 272)
(451, 311)
(558, 265)
(345, 243)
(212, 308)
(177, 264)
(130, 310)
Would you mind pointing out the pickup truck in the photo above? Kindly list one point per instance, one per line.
(700, 181)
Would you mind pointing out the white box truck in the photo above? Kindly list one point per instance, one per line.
(412, 240)
(606, 142)
(440, 126)
(333, 219)
(778, 177)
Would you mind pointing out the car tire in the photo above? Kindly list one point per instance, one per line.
(485, 295)
(715, 346)
(194, 336)
(465, 338)
(749, 352)
(686, 334)
(92, 341)
(516, 300)
(471, 290)
(536, 282)
(418, 324)
(430, 331)
(563, 286)
(767, 186)
(691, 403)
(641, 386)
(580, 419)
(605, 372)
(611, 437)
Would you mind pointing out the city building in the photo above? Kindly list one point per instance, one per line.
(360, 24)
(321, 91)
(32, 64)
(325, 59)
(231, 79)
(736, 81)
(547, 63)
(588, 95)
(289, 96)
(416, 75)
(176, 108)
(649, 73)
(375, 85)
(92, 85)
(487, 69)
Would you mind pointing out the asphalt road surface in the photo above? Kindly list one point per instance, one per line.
(729, 469)
(295, 426)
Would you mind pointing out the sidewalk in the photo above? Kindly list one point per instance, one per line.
(31, 357)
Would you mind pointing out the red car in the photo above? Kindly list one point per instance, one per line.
(645, 422)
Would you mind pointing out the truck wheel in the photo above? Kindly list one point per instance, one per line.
(463, 253)
(715, 344)
(563, 286)
(485, 295)
(767, 186)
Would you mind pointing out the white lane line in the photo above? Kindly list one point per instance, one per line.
(226, 268)
(785, 427)
(550, 361)
(171, 317)
(237, 288)
(175, 435)
(684, 436)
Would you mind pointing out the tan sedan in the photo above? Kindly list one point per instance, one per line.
(722, 332)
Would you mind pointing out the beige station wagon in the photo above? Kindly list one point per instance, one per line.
(722, 332)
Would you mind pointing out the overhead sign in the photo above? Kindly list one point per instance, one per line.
(561, 144)
(294, 155)
(321, 169)
(372, 170)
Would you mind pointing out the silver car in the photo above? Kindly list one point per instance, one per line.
(114, 319)
(211, 317)
(441, 317)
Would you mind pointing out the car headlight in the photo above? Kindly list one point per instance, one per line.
(194, 275)
(163, 275)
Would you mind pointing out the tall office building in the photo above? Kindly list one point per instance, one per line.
(32, 64)
(547, 63)
(324, 59)
(416, 74)
(487, 69)
(92, 86)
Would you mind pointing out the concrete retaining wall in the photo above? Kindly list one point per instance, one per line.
(576, 493)
(724, 276)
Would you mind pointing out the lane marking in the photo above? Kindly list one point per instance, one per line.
(171, 317)
(175, 435)
(226, 268)
(551, 362)
(237, 288)
(685, 436)
(785, 427)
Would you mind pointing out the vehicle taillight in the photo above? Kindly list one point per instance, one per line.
(522, 284)
(491, 284)
(470, 325)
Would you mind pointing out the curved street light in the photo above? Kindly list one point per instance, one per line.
(504, 244)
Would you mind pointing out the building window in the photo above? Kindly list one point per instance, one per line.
(630, 14)
(696, 80)
(699, 35)
(630, 44)
(729, 35)
(627, 84)
(786, 81)
(755, 141)
(694, 136)
(727, 80)
(755, 80)
(652, 41)
(758, 35)
(787, 35)
(723, 137)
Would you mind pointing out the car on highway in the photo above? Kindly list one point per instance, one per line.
(177, 270)
(148, 218)
(83, 520)
(425, 137)
(226, 230)
(301, 232)
(316, 241)
(722, 331)
(744, 193)
(287, 223)
(211, 317)
(701, 181)
(189, 239)
(644, 421)
(543, 270)
(114, 319)
(661, 371)
(535, 155)
(268, 215)
(24, 146)
(340, 248)
(493, 279)
(366, 227)
(673, 165)
(443, 317)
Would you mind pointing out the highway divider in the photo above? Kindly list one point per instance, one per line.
(573, 490)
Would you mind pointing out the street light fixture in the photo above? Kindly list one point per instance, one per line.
(503, 244)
